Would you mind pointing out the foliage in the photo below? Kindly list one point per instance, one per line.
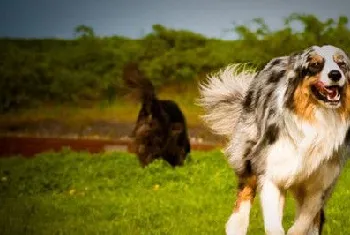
(89, 67)
(81, 193)
(84, 31)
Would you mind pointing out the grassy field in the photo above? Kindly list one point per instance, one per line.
(80, 193)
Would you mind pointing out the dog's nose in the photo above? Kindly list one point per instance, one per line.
(334, 75)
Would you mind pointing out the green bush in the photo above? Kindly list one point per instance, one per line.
(90, 67)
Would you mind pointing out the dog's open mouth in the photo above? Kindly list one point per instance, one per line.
(329, 94)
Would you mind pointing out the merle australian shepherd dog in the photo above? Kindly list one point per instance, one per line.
(160, 130)
(286, 127)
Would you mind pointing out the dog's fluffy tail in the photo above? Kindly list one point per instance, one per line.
(136, 81)
(222, 96)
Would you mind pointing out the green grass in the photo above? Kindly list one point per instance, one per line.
(80, 193)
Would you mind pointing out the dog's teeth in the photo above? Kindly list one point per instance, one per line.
(335, 98)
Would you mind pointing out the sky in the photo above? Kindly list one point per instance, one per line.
(134, 18)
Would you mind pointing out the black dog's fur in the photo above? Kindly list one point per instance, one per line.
(160, 130)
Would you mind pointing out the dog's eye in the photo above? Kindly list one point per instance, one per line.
(341, 64)
(315, 66)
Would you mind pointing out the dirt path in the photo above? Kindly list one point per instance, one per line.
(30, 138)
(29, 146)
(96, 129)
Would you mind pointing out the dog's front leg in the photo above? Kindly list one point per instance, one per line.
(272, 202)
(239, 220)
(311, 206)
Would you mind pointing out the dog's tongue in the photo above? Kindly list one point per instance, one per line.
(332, 92)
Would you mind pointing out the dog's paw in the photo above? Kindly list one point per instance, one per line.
(237, 225)
(275, 231)
(314, 231)
(294, 230)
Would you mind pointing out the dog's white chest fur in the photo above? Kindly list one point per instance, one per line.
(305, 149)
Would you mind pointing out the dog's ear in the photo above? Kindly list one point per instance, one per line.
(347, 56)
(176, 128)
(300, 60)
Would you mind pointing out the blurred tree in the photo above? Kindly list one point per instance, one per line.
(41, 70)
(314, 29)
(84, 31)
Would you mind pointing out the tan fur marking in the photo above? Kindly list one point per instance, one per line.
(316, 59)
(338, 58)
(304, 102)
(247, 192)
(344, 110)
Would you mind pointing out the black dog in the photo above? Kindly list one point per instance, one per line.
(160, 130)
